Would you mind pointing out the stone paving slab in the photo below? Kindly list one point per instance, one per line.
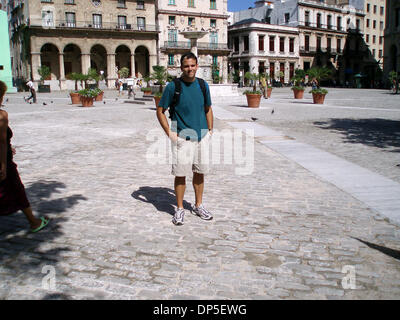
(279, 232)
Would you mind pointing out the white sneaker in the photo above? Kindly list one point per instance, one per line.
(202, 212)
(178, 217)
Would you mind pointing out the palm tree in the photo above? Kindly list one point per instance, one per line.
(160, 75)
(319, 73)
(253, 77)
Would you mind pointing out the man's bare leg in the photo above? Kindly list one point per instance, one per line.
(198, 185)
(180, 187)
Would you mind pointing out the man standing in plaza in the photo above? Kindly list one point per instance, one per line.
(190, 133)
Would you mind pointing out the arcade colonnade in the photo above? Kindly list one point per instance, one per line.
(64, 56)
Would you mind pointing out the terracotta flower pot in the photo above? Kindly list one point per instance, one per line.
(157, 100)
(318, 98)
(253, 100)
(75, 97)
(99, 97)
(147, 93)
(87, 102)
(298, 94)
(269, 91)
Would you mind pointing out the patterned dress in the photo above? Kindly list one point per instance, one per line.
(12, 191)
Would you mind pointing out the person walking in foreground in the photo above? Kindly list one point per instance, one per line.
(32, 91)
(191, 128)
(12, 191)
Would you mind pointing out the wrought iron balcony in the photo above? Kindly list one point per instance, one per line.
(200, 45)
(70, 24)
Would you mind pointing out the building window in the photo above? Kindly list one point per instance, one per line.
(171, 2)
(339, 45)
(191, 21)
(287, 17)
(291, 45)
(140, 5)
(319, 39)
(46, 0)
(307, 18)
(122, 22)
(367, 23)
(374, 24)
(70, 19)
(171, 20)
(282, 44)
(215, 60)
(358, 24)
(236, 44)
(191, 3)
(329, 21)
(272, 70)
(69, 1)
(380, 39)
(381, 25)
(307, 43)
(380, 54)
(373, 52)
(368, 7)
(272, 44)
(172, 37)
(319, 20)
(261, 67)
(246, 43)
(171, 60)
(328, 44)
(97, 20)
(367, 38)
(373, 39)
(121, 4)
(213, 23)
(214, 40)
(382, 11)
(141, 23)
(261, 43)
(339, 23)
(47, 19)
(213, 4)
(375, 9)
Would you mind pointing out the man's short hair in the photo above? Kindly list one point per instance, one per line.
(189, 55)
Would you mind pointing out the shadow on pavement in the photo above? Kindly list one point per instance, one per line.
(23, 252)
(163, 199)
(379, 133)
(390, 252)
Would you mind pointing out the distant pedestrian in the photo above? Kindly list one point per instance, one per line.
(121, 86)
(32, 91)
(12, 192)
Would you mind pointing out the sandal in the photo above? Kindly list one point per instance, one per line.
(44, 223)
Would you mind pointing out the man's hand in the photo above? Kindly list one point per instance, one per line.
(173, 136)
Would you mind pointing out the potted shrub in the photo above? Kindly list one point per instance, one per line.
(253, 96)
(160, 75)
(87, 96)
(99, 94)
(75, 98)
(317, 74)
(298, 83)
(147, 90)
(44, 72)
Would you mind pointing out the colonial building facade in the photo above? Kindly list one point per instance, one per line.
(74, 35)
(329, 33)
(392, 37)
(175, 16)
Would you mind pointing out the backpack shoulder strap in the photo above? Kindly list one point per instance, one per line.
(203, 89)
(175, 98)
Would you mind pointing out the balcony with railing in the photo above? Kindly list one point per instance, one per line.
(314, 50)
(200, 45)
(110, 26)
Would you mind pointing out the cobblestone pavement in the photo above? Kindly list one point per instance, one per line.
(278, 233)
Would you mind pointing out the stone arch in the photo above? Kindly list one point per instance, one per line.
(142, 61)
(123, 58)
(49, 56)
(72, 58)
(98, 59)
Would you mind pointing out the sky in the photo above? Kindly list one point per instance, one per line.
(237, 5)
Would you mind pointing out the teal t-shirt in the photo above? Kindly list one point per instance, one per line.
(189, 119)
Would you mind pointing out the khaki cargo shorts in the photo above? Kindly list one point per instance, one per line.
(191, 156)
